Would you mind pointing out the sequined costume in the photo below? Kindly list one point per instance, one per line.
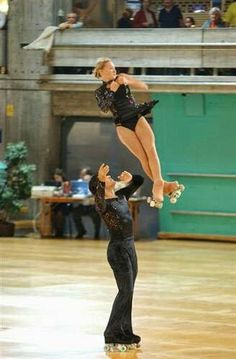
(122, 258)
(122, 104)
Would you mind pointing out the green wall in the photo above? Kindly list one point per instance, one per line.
(196, 141)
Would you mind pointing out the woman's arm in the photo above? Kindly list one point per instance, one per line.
(104, 98)
(135, 182)
(124, 79)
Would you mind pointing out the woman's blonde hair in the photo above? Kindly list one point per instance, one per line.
(101, 62)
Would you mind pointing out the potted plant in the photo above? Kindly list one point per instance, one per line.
(15, 184)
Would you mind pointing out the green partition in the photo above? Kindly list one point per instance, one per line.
(196, 141)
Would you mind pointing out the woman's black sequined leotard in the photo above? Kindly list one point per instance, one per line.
(122, 258)
(122, 105)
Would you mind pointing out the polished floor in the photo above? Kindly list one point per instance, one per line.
(56, 296)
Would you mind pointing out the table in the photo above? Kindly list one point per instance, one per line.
(45, 221)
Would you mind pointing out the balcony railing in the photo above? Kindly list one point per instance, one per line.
(180, 57)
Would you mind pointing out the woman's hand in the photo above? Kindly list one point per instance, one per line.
(125, 177)
(103, 172)
(121, 80)
(114, 86)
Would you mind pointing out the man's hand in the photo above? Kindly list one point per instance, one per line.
(64, 26)
(103, 172)
(125, 177)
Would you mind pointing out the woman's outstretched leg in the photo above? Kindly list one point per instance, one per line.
(146, 137)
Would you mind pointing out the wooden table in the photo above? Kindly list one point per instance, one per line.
(45, 222)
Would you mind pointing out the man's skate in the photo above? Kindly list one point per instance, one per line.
(114, 347)
(176, 194)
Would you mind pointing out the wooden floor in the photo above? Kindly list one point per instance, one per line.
(56, 296)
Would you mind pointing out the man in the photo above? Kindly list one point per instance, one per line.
(113, 207)
(81, 210)
(170, 16)
(71, 22)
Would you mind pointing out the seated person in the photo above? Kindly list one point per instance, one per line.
(59, 210)
(189, 22)
(80, 210)
(71, 22)
(215, 19)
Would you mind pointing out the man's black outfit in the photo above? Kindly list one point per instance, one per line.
(121, 256)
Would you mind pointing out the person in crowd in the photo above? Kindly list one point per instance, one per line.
(86, 209)
(3, 21)
(71, 22)
(114, 209)
(132, 128)
(145, 17)
(82, 11)
(189, 22)
(126, 21)
(230, 15)
(59, 210)
(170, 15)
(215, 19)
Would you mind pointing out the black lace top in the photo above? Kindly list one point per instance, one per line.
(121, 103)
(115, 211)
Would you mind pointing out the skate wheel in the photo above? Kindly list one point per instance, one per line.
(122, 347)
(149, 200)
(158, 205)
(173, 200)
(181, 187)
(152, 204)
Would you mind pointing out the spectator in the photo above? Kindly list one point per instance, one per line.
(170, 16)
(215, 21)
(126, 20)
(71, 22)
(189, 22)
(59, 210)
(145, 17)
(230, 15)
(3, 20)
(80, 210)
(84, 11)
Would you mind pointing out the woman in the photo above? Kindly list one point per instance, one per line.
(215, 21)
(132, 128)
(145, 17)
(113, 208)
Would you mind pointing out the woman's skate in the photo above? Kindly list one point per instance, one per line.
(173, 194)
(154, 203)
(157, 195)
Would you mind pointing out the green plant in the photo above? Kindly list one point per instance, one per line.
(15, 179)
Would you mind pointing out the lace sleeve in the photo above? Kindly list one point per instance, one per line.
(100, 197)
(104, 98)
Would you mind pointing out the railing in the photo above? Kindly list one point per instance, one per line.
(197, 55)
(152, 48)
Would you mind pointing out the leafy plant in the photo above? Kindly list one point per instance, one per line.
(15, 179)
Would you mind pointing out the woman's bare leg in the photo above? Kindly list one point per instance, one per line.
(130, 140)
(146, 137)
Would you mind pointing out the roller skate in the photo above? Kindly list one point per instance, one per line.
(153, 201)
(173, 190)
(116, 347)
